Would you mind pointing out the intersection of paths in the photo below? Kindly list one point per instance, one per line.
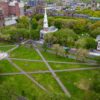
(53, 73)
(27, 75)
(49, 67)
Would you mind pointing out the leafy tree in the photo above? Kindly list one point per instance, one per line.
(94, 25)
(35, 34)
(95, 32)
(59, 50)
(58, 24)
(81, 54)
(34, 23)
(45, 46)
(80, 26)
(38, 17)
(23, 22)
(65, 37)
(50, 38)
(86, 42)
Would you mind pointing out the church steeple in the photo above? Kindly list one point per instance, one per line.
(45, 24)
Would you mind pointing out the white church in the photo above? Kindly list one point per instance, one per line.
(46, 29)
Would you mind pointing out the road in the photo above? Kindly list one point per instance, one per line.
(53, 73)
(27, 75)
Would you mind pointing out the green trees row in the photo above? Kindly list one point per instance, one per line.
(25, 28)
(72, 32)
(67, 37)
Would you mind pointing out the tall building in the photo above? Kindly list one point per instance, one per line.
(46, 29)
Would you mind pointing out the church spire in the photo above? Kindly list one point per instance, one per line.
(45, 25)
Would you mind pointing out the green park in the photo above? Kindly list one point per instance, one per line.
(58, 69)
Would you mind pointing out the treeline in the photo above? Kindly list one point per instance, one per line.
(72, 32)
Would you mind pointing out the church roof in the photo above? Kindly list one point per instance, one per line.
(98, 38)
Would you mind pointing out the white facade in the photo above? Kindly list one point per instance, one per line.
(98, 46)
(98, 40)
(46, 29)
(45, 25)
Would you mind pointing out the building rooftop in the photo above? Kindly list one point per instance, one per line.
(98, 38)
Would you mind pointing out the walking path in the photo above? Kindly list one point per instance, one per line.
(58, 62)
(47, 71)
(13, 49)
(53, 73)
(26, 74)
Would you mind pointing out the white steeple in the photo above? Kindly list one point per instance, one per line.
(45, 25)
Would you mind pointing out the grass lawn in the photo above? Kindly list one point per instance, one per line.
(21, 85)
(26, 53)
(65, 66)
(53, 57)
(78, 83)
(5, 66)
(31, 66)
(49, 82)
(5, 49)
(5, 43)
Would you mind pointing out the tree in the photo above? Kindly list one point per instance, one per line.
(59, 50)
(35, 34)
(95, 32)
(38, 17)
(58, 24)
(34, 23)
(86, 43)
(79, 26)
(65, 37)
(94, 25)
(45, 46)
(23, 22)
(50, 38)
(81, 54)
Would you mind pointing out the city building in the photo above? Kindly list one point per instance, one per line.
(98, 41)
(10, 9)
(33, 3)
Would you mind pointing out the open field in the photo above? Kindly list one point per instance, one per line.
(78, 82)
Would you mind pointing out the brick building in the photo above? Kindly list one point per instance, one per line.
(10, 8)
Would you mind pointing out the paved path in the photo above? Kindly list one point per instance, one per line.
(13, 49)
(46, 71)
(24, 42)
(58, 62)
(26, 74)
(53, 73)
(30, 60)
